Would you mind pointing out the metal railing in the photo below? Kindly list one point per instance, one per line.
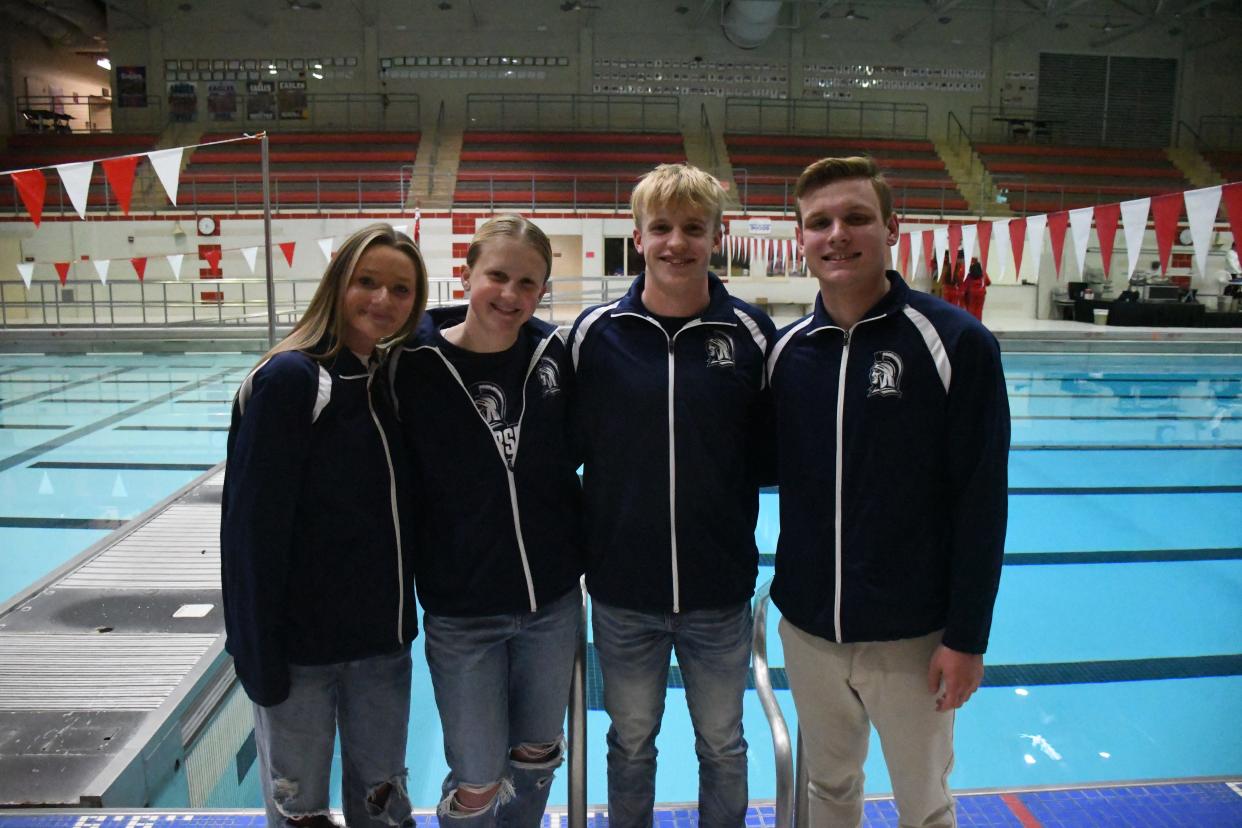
(1015, 190)
(709, 138)
(959, 139)
(870, 119)
(760, 192)
(786, 793)
(1184, 135)
(585, 112)
(1221, 131)
(576, 738)
(346, 111)
(62, 114)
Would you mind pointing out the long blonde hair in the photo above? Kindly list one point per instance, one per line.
(323, 316)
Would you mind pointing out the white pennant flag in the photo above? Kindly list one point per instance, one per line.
(167, 164)
(101, 267)
(894, 253)
(916, 254)
(970, 236)
(1035, 242)
(27, 271)
(403, 229)
(174, 261)
(1001, 248)
(940, 238)
(326, 246)
(1134, 220)
(1080, 229)
(76, 179)
(1201, 206)
(249, 254)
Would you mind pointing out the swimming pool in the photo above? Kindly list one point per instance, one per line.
(1117, 644)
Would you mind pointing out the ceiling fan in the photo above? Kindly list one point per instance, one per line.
(1109, 26)
(850, 14)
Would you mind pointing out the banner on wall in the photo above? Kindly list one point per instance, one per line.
(182, 102)
(222, 101)
(291, 100)
(131, 86)
(261, 101)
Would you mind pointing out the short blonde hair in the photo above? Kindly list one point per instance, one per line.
(679, 185)
(827, 170)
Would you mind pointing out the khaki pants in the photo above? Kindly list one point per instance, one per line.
(839, 691)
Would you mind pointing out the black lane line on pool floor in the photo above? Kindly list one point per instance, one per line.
(87, 465)
(1125, 447)
(170, 428)
(1122, 490)
(60, 523)
(1099, 556)
(98, 425)
(35, 426)
(1001, 675)
(61, 388)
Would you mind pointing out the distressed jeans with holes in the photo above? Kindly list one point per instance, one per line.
(502, 682)
(713, 652)
(369, 701)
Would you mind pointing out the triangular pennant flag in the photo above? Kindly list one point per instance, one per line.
(167, 164)
(418, 225)
(1035, 239)
(1004, 253)
(211, 256)
(940, 237)
(45, 485)
(1017, 240)
(32, 187)
(403, 229)
(929, 253)
(287, 249)
(955, 241)
(326, 246)
(120, 175)
(118, 487)
(1201, 207)
(1134, 222)
(26, 269)
(101, 267)
(76, 179)
(1080, 229)
(970, 234)
(249, 254)
(1232, 196)
(984, 231)
(140, 266)
(174, 262)
(1057, 224)
(916, 255)
(62, 270)
(903, 255)
(1166, 209)
(1106, 217)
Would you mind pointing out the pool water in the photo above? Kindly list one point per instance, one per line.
(1116, 649)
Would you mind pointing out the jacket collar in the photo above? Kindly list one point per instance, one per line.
(436, 318)
(718, 308)
(891, 302)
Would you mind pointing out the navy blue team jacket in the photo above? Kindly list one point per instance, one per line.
(315, 560)
(492, 539)
(669, 428)
(893, 458)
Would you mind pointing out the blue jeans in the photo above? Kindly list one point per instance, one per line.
(369, 701)
(713, 652)
(502, 685)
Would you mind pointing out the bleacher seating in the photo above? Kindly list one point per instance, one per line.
(1226, 162)
(765, 168)
(1044, 179)
(358, 169)
(558, 169)
(44, 149)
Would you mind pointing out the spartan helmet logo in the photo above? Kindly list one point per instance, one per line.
(885, 375)
(719, 351)
(489, 399)
(549, 377)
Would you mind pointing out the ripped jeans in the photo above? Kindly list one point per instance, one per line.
(369, 701)
(502, 685)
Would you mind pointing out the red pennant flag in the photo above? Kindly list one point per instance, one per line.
(903, 253)
(62, 270)
(1231, 195)
(1166, 210)
(120, 175)
(212, 256)
(140, 266)
(955, 240)
(418, 225)
(929, 254)
(985, 241)
(1057, 222)
(1106, 218)
(1017, 238)
(32, 187)
(287, 249)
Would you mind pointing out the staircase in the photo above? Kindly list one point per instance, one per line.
(1194, 166)
(971, 177)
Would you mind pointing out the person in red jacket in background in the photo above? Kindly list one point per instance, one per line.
(953, 277)
(976, 289)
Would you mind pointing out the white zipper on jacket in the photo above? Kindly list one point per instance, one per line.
(517, 438)
(392, 502)
(672, 443)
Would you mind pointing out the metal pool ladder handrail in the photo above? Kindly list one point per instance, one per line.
(781, 746)
(576, 743)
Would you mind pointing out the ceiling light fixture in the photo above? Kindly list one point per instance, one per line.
(104, 63)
